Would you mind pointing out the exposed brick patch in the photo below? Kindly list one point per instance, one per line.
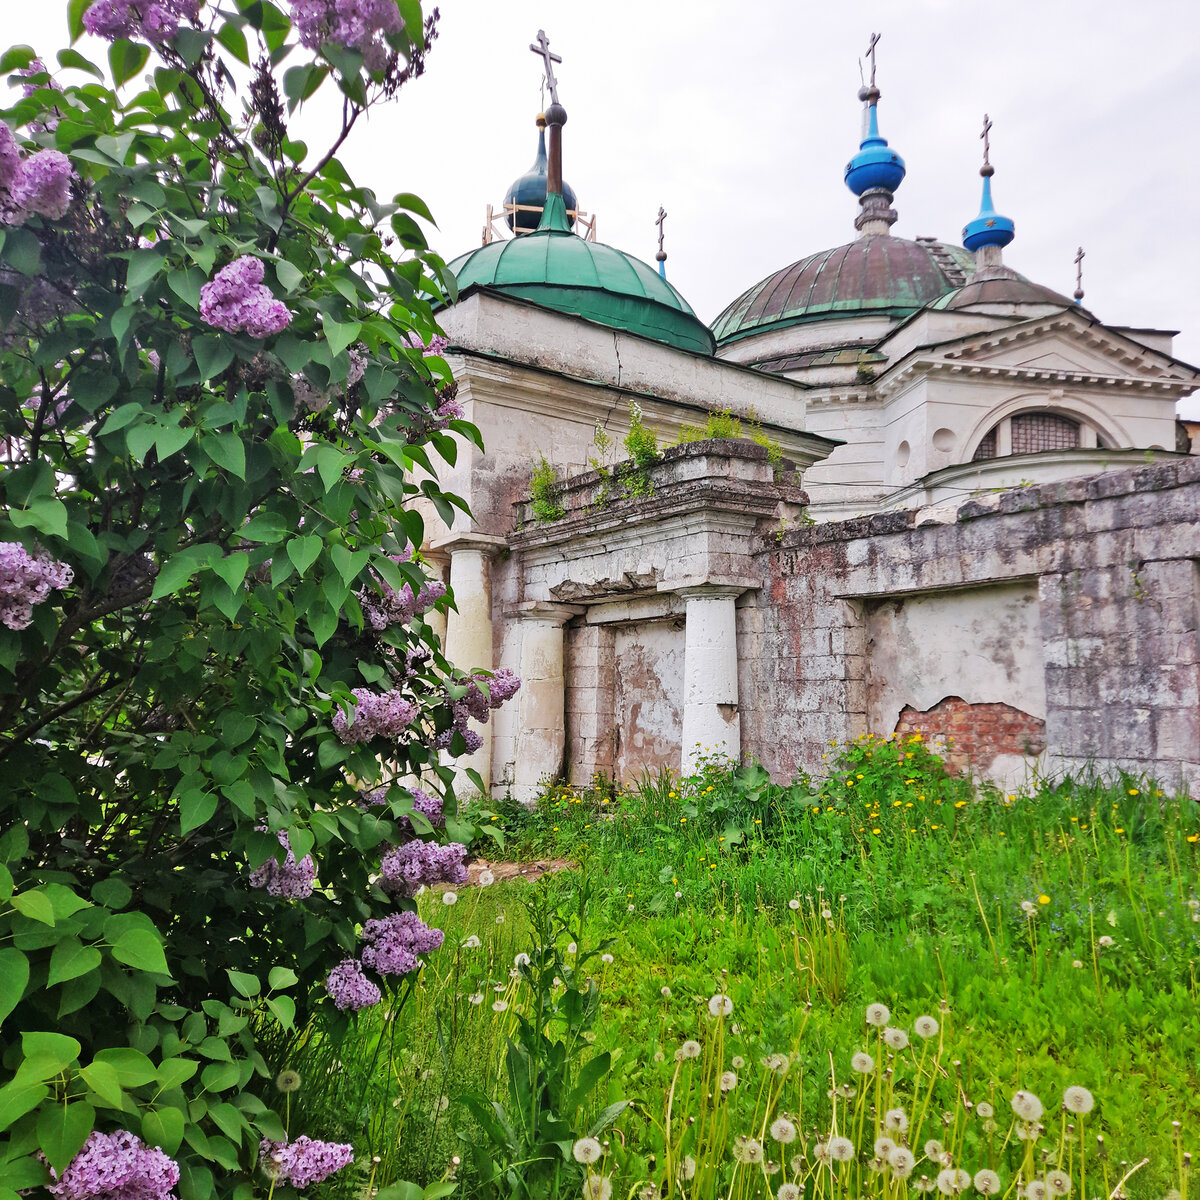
(974, 734)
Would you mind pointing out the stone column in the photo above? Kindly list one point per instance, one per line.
(468, 643)
(541, 733)
(711, 723)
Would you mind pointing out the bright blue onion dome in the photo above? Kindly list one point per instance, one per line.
(530, 190)
(875, 165)
(989, 228)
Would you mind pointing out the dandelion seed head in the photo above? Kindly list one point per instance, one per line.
(1027, 1106)
(896, 1120)
(587, 1150)
(987, 1182)
(862, 1062)
(720, 1005)
(783, 1131)
(690, 1049)
(841, 1149)
(895, 1038)
(1078, 1100)
(878, 1014)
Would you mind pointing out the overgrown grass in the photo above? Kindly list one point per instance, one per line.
(1055, 938)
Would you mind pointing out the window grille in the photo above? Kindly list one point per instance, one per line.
(1032, 432)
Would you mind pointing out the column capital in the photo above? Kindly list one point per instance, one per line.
(487, 543)
(710, 586)
(545, 610)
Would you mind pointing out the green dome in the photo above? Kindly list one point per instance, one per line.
(559, 270)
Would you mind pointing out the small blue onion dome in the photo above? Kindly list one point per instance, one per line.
(530, 190)
(875, 165)
(989, 228)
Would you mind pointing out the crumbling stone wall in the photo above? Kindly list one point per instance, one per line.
(1114, 561)
(971, 737)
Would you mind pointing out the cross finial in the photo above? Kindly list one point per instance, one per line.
(987, 141)
(871, 54)
(662, 216)
(542, 48)
(1079, 257)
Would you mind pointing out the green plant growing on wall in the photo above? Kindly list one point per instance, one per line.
(599, 464)
(545, 491)
(642, 446)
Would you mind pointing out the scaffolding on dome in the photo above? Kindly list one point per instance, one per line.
(496, 225)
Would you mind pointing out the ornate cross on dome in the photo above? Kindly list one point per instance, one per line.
(871, 54)
(987, 141)
(543, 49)
(1079, 257)
(662, 216)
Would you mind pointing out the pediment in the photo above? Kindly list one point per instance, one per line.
(1070, 344)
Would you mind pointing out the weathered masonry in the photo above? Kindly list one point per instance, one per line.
(1052, 628)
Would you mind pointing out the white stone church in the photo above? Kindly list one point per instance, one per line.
(910, 385)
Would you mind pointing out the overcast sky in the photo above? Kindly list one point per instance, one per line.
(738, 118)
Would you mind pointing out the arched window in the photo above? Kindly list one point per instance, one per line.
(1029, 433)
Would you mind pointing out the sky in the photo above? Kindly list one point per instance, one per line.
(738, 119)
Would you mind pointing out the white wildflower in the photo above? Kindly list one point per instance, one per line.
(521, 960)
(606, 958)
(902, 1162)
(499, 1005)
(783, 1131)
(475, 998)
(449, 898)
(729, 1080)
(690, 1049)
(984, 1109)
(1058, 1182)
(720, 1005)
(987, 1183)
(896, 1120)
(862, 1062)
(878, 1014)
(841, 1149)
(789, 1191)
(737, 1062)
(952, 1180)
(934, 1150)
(1035, 1189)
(665, 992)
(1027, 1106)
(896, 1039)
(884, 1148)
(925, 1027)
(793, 904)
(597, 1187)
(486, 879)
(587, 1150)
(1078, 1100)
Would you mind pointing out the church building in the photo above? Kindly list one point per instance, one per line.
(887, 389)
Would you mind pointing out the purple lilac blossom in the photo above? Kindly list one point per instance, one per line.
(434, 348)
(117, 1166)
(155, 20)
(414, 864)
(25, 580)
(472, 740)
(349, 988)
(393, 942)
(290, 879)
(377, 714)
(37, 67)
(355, 24)
(45, 184)
(387, 607)
(10, 162)
(358, 367)
(236, 300)
(304, 1161)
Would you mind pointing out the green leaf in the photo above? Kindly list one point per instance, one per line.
(414, 204)
(341, 336)
(284, 1010)
(102, 1078)
(112, 893)
(180, 569)
(232, 568)
(442, 1187)
(22, 251)
(72, 58)
(247, 985)
(141, 949)
(213, 354)
(18, 1098)
(196, 808)
(132, 1067)
(299, 83)
(349, 564)
(234, 40)
(281, 978)
(46, 516)
(289, 275)
(400, 1191)
(16, 58)
(143, 266)
(265, 527)
(168, 439)
(174, 1071)
(186, 285)
(126, 59)
(303, 551)
(62, 1129)
(227, 451)
(163, 1128)
(35, 905)
(228, 1120)
(75, 11)
(14, 975)
(70, 959)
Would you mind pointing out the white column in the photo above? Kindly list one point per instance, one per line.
(542, 729)
(711, 723)
(468, 643)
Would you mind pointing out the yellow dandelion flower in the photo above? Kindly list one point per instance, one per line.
(876, 830)
(960, 804)
(1132, 792)
(935, 827)
(1043, 898)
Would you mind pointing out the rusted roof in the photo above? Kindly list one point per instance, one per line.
(1008, 290)
(878, 273)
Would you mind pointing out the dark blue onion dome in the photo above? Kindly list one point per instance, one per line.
(989, 228)
(875, 165)
(530, 189)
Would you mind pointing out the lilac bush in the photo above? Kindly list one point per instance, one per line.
(304, 1161)
(25, 580)
(154, 20)
(290, 879)
(392, 943)
(117, 1166)
(417, 864)
(375, 715)
(360, 25)
(349, 989)
(237, 301)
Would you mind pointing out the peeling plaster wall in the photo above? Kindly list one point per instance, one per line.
(983, 645)
(648, 661)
